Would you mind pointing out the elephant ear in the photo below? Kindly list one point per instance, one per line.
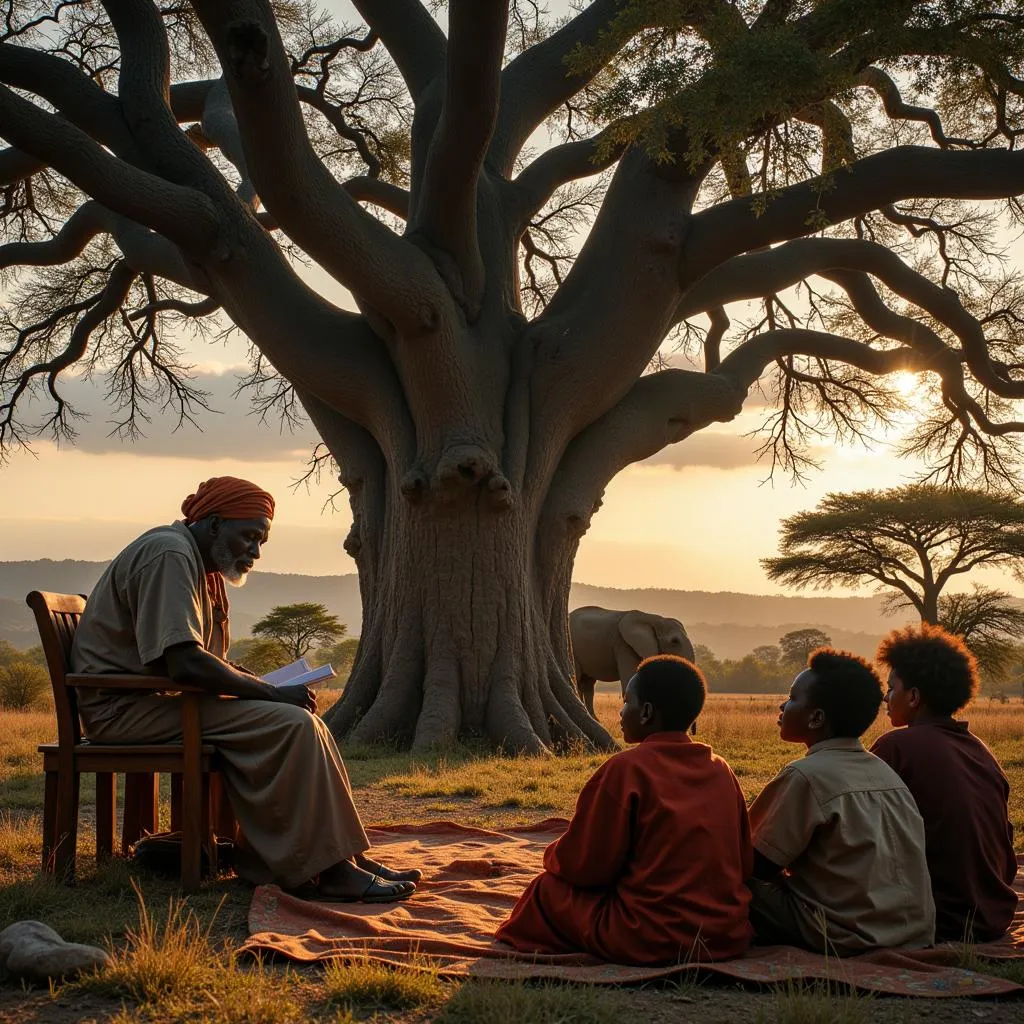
(666, 629)
(637, 629)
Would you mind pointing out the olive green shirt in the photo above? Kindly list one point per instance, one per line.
(152, 596)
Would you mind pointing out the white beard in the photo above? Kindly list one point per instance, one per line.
(225, 564)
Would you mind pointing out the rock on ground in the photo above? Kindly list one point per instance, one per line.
(33, 951)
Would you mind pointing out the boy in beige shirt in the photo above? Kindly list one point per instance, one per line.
(839, 847)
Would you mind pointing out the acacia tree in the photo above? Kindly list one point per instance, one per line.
(991, 623)
(179, 161)
(298, 628)
(912, 540)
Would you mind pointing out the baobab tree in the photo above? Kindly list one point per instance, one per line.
(173, 160)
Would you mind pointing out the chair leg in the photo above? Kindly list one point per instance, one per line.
(106, 803)
(66, 832)
(208, 835)
(49, 821)
(192, 796)
(141, 807)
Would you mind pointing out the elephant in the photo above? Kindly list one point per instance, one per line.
(608, 644)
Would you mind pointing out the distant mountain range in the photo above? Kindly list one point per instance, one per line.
(730, 624)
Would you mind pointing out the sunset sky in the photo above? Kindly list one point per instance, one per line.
(697, 516)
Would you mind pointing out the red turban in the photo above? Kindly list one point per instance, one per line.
(228, 497)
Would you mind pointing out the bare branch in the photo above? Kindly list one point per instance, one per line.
(869, 184)
(113, 295)
(744, 365)
(85, 224)
(894, 105)
(412, 37)
(84, 103)
(539, 180)
(381, 193)
(181, 214)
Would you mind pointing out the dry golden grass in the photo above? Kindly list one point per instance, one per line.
(174, 963)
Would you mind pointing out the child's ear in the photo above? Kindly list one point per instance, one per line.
(914, 697)
(646, 713)
(816, 719)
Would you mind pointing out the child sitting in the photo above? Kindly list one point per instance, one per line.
(841, 823)
(651, 868)
(959, 787)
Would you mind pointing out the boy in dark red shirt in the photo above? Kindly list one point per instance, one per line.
(651, 868)
(958, 785)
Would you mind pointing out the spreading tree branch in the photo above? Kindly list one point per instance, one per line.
(445, 211)
(387, 273)
(871, 183)
(181, 214)
(538, 81)
(412, 37)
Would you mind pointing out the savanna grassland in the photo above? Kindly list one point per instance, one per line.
(174, 960)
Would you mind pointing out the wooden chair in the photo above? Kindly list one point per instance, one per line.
(57, 617)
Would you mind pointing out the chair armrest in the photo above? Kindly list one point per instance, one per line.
(128, 682)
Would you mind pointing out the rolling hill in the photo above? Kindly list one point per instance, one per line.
(730, 624)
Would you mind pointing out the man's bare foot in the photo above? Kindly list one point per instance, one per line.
(392, 875)
(346, 882)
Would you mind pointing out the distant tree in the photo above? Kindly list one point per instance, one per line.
(767, 654)
(8, 653)
(300, 627)
(708, 663)
(23, 685)
(798, 644)
(341, 656)
(990, 623)
(259, 654)
(912, 540)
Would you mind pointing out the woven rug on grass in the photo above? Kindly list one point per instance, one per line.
(472, 879)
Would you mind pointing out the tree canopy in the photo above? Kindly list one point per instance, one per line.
(911, 540)
(796, 645)
(299, 628)
(796, 198)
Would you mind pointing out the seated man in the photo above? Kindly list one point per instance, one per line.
(161, 609)
(958, 785)
(651, 868)
(842, 825)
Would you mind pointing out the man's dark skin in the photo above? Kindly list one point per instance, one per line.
(800, 721)
(239, 541)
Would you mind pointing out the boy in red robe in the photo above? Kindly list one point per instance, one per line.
(958, 786)
(651, 868)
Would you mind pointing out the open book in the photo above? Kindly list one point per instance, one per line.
(299, 673)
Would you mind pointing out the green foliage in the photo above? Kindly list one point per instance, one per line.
(990, 622)
(298, 628)
(340, 656)
(797, 645)
(259, 654)
(23, 685)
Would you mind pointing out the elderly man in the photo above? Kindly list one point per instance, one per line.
(161, 608)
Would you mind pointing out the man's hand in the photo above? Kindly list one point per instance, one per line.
(301, 696)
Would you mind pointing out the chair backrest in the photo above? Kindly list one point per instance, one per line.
(57, 618)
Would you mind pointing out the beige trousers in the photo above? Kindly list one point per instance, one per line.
(283, 774)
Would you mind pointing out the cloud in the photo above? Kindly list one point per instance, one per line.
(707, 448)
(229, 429)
